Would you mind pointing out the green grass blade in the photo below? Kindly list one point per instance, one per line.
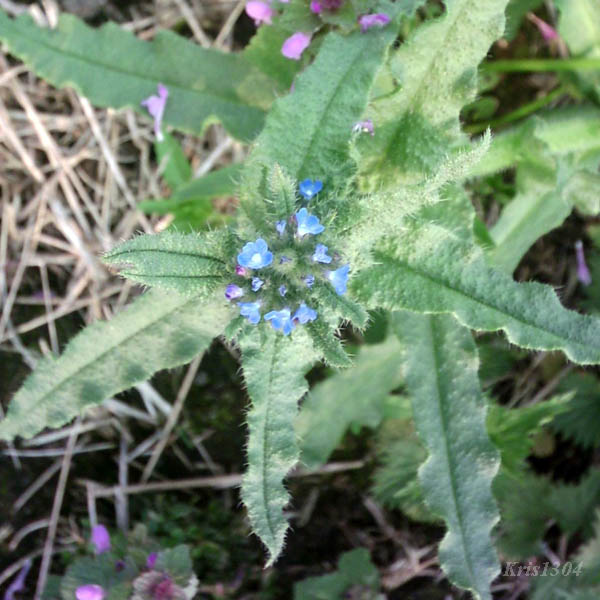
(274, 368)
(449, 411)
(193, 263)
(111, 67)
(431, 271)
(157, 331)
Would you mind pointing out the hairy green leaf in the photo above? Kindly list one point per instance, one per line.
(429, 270)
(113, 68)
(327, 344)
(449, 409)
(356, 395)
(157, 331)
(274, 368)
(436, 69)
(193, 263)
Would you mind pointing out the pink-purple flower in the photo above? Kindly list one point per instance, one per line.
(548, 33)
(583, 273)
(151, 560)
(295, 45)
(315, 7)
(18, 584)
(365, 126)
(366, 22)
(100, 539)
(156, 107)
(91, 591)
(260, 12)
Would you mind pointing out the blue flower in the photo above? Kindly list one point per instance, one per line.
(257, 283)
(308, 223)
(309, 188)
(304, 314)
(250, 310)
(339, 279)
(320, 254)
(255, 255)
(233, 291)
(309, 280)
(281, 319)
(280, 226)
(282, 290)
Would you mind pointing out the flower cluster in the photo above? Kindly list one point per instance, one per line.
(273, 277)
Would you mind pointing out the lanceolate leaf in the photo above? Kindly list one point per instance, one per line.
(274, 367)
(157, 331)
(193, 263)
(429, 270)
(113, 68)
(356, 395)
(436, 69)
(440, 369)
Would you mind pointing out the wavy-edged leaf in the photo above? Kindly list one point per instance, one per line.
(111, 67)
(356, 395)
(274, 367)
(429, 270)
(192, 263)
(157, 331)
(436, 69)
(341, 305)
(440, 364)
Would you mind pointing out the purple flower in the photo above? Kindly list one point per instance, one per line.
(548, 33)
(304, 314)
(365, 126)
(339, 279)
(331, 5)
(583, 273)
(308, 223)
(295, 45)
(151, 560)
(18, 585)
(309, 188)
(280, 226)
(233, 291)
(309, 280)
(320, 254)
(250, 310)
(255, 255)
(281, 319)
(240, 270)
(284, 259)
(156, 107)
(261, 12)
(91, 591)
(373, 20)
(100, 539)
(282, 290)
(257, 283)
(315, 7)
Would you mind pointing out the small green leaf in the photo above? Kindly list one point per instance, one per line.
(340, 305)
(429, 270)
(193, 263)
(327, 344)
(355, 395)
(158, 331)
(440, 365)
(274, 367)
(176, 168)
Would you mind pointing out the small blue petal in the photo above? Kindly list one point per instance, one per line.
(281, 319)
(255, 255)
(282, 290)
(320, 254)
(280, 226)
(309, 188)
(309, 280)
(233, 291)
(284, 259)
(250, 310)
(308, 223)
(304, 314)
(257, 283)
(339, 279)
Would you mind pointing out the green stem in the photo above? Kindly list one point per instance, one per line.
(548, 64)
(520, 112)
